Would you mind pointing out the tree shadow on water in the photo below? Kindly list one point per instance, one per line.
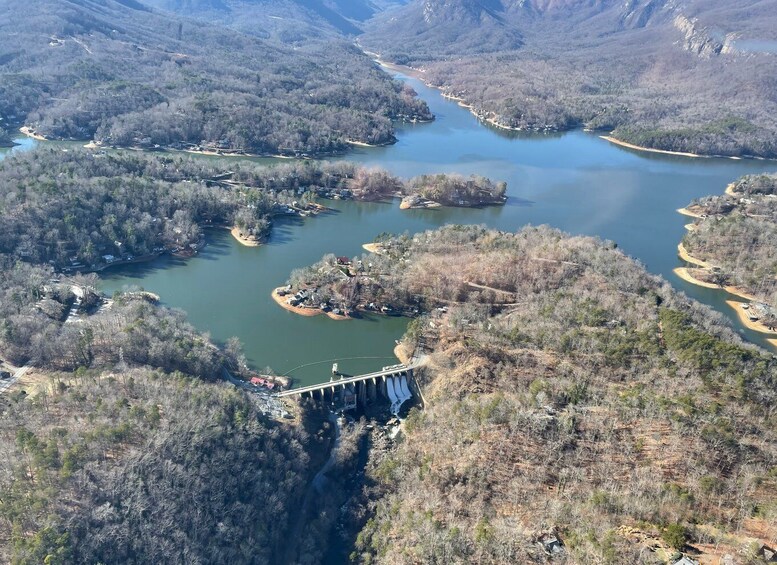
(516, 201)
(283, 231)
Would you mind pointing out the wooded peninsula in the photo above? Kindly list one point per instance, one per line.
(731, 244)
(124, 75)
(84, 210)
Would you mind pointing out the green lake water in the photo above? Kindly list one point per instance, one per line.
(574, 181)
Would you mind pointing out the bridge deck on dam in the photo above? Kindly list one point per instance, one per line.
(385, 372)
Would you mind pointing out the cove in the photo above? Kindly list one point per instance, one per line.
(576, 182)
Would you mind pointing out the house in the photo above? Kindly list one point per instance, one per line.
(343, 261)
(767, 554)
(263, 382)
(758, 311)
(685, 560)
(550, 543)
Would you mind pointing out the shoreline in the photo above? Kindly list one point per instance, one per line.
(308, 312)
(748, 323)
(92, 144)
(248, 242)
(375, 248)
(688, 258)
(364, 144)
(685, 274)
(141, 259)
(419, 74)
(686, 212)
(29, 132)
(424, 205)
(210, 153)
(628, 145)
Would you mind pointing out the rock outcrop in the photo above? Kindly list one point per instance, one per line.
(697, 39)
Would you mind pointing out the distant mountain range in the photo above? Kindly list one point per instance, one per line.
(460, 26)
(286, 20)
(679, 75)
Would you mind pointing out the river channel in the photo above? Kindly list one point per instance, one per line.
(574, 181)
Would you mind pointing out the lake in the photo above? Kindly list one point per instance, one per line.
(574, 181)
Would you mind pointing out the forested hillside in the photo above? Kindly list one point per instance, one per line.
(72, 209)
(83, 210)
(130, 329)
(133, 466)
(130, 448)
(125, 75)
(570, 394)
(5, 138)
(691, 76)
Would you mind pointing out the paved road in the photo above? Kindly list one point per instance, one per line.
(5, 384)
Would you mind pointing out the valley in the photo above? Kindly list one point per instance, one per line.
(207, 202)
(655, 74)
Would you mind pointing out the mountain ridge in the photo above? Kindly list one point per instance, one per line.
(123, 74)
(660, 74)
(288, 21)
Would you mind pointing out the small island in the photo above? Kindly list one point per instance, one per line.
(424, 191)
(430, 191)
(731, 245)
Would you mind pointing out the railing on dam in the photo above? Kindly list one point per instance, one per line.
(345, 380)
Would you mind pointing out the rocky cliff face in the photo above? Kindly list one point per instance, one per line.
(697, 39)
